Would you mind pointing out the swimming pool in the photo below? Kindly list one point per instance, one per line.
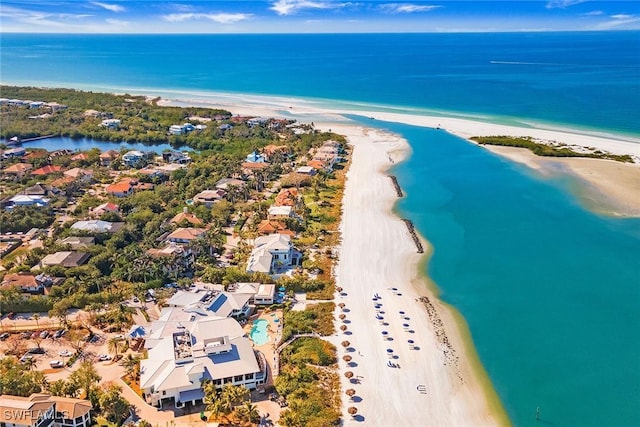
(259, 333)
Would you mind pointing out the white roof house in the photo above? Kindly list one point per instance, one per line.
(24, 200)
(272, 254)
(209, 348)
(97, 226)
(280, 212)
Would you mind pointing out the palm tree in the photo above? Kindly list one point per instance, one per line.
(131, 365)
(114, 345)
(248, 413)
(36, 317)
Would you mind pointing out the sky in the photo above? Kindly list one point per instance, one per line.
(314, 16)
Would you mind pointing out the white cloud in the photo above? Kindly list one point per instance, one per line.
(117, 22)
(222, 18)
(112, 7)
(42, 19)
(407, 7)
(291, 7)
(594, 13)
(621, 20)
(622, 16)
(561, 4)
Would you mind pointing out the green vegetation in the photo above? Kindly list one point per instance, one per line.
(546, 150)
(316, 318)
(311, 390)
(24, 218)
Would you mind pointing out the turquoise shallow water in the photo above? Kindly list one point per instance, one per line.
(549, 290)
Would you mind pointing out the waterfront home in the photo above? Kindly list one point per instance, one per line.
(280, 212)
(104, 208)
(255, 157)
(176, 157)
(328, 159)
(54, 106)
(260, 294)
(185, 215)
(97, 226)
(83, 175)
(133, 158)
(40, 409)
(18, 169)
(186, 235)
(273, 254)
(25, 200)
(108, 156)
(225, 127)
(186, 348)
(257, 121)
(77, 242)
(110, 123)
(181, 129)
(209, 197)
(270, 226)
(80, 156)
(64, 259)
(46, 170)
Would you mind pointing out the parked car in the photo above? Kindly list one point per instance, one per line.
(4, 336)
(59, 333)
(25, 358)
(44, 334)
(136, 300)
(25, 335)
(104, 357)
(65, 353)
(56, 364)
(36, 350)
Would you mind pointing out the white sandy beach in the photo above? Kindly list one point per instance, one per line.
(434, 384)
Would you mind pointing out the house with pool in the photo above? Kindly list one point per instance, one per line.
(183, 353)
(273, 254)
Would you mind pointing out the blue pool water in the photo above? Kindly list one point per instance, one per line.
(259, 333)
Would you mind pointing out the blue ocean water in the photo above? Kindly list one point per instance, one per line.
(549, 290)
(586, 80)
(85, 144)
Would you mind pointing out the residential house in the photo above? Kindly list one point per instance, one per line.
(110, 123)
(18, 169)
(226, 183)
(62, 182)
(40, 189)
(84, 175)
(123, 188)
(97, 226)
(286, 197)
(134, 158)
(260, 294)
(176, 157)
(209, 197)
(269, 226)
(14, 152)
(257, 121)
(104, 208)
(77, 242)
(176, 259)
(184, 353)
(306, 170)
(30, 283)
(80, 156)
(280, 212)
(255, 157)
(181, 129)
(40, 410)
(46, 170)
(186, 235)
(64, 259)
(185, 215)
(108, 156)
(273, 254)
(272, 150)
(24, 200)
(225, 127)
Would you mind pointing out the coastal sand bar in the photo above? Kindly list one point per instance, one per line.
(433, 385)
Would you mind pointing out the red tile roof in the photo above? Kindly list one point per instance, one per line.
(45, 170)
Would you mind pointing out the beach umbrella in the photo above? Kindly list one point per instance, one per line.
(352, 410)
(339, 289)
(342, 316)
(348, 374)
(350, 392)
(341, 305)
(346, 358)
(345, 344)
(343, 328)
